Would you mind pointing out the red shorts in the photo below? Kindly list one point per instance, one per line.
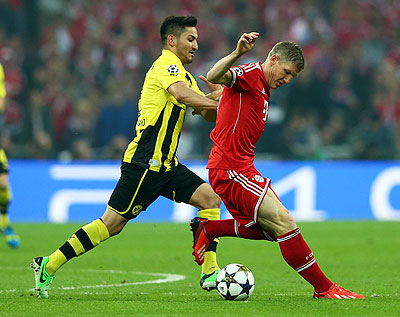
(241, 190)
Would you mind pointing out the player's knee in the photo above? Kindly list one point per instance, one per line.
(209, 201)
(115, 231)
(215, 201)
(114, 228)
(113, 222)
(277, 220)
(3, 180)
(212, 201)
(205, 198)
(285, 222)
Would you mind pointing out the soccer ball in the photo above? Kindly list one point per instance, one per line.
(235, 282)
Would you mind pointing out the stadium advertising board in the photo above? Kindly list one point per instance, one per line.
(312, 191)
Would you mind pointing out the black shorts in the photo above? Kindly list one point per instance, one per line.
(138, 187)
(3, 162)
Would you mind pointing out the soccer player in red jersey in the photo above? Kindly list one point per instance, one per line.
(257, 211)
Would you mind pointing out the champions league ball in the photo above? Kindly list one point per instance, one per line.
(235, 282)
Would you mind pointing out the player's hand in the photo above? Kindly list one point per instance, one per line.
(216, 89)
(211, 86)
(246, 42)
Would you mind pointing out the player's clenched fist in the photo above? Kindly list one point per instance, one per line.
(246, 42)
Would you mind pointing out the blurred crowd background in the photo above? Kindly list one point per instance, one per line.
(74, 70)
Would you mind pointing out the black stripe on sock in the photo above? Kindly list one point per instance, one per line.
(84, 239)
(68, 251)
(212, 246)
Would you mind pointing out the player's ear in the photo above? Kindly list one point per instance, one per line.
(274, 59)
(171, 40)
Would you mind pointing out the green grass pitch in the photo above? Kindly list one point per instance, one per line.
(119, 276)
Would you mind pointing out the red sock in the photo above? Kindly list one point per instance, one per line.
(298, 255)
(232, 228)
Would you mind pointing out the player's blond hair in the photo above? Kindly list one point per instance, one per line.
(289, 52)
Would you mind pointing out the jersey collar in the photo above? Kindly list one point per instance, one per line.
(169, 54)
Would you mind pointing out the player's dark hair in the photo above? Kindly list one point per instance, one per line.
(176, 25)
(289, 52)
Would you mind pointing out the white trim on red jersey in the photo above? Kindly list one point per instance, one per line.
(250, 67)
(240, 107)
(236, 228)
(253, 188)
(233, 81)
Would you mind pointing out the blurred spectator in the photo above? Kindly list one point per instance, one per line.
(117, 117)
(308, 94)
(302, 138)
(372, 140)
(81, 123)
(115, 148)
(81, 150)
(41, 147)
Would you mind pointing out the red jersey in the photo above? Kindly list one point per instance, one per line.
(241, 118)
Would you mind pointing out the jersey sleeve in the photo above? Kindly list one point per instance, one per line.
(2, 84)
(240, 79)
(169, 73)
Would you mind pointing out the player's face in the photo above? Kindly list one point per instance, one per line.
(186, 45)
(281, 73)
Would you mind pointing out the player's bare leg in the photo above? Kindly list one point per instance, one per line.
(113, 221)
(274, 217)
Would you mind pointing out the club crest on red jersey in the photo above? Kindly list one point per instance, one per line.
(238, 71)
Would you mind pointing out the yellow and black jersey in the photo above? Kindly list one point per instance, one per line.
(3, 157)
(2, 84)
(3, 162)
(161, 116)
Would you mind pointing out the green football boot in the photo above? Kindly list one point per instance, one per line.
(42, 278)
(208, 282)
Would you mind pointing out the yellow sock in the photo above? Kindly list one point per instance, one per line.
(56, 260)
(210, 260)
(210, 264)
(4, 201)
(85, 239)
(211, 214)
(4, 221)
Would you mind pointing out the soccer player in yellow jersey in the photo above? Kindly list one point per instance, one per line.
(150, 168)
(11, 238)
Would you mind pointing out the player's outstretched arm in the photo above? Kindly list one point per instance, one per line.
(219, 73)
(187, 96)
(215, 94)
